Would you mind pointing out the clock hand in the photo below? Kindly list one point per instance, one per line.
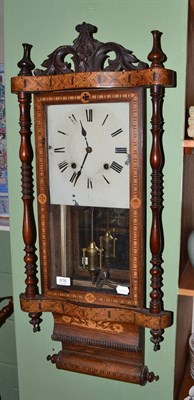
(79, 172)
(84, 133)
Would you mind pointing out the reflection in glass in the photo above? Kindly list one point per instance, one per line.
(86, 240)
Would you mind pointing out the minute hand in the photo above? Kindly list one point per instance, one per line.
(80, 171)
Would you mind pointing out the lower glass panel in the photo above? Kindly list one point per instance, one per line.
(89, 246)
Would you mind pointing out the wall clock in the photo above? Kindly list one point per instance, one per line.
(90, 151)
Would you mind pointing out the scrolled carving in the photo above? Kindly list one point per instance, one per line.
(124, 60)
(89, 54)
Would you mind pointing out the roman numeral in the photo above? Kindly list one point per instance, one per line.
(89, 115)
(63, 165)
(116, 132)
(59, 150)
(107, 181)
(116, 167)
(63, 133)
(72, 118)
(121, 150)
(89, 184)
(105, 120)
(73, 177)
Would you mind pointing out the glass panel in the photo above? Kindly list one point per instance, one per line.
(89, 163)
(86, 241)
(88, 154)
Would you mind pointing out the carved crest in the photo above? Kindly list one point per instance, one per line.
(88, 54)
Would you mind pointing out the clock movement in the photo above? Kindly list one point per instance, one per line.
(90, 153)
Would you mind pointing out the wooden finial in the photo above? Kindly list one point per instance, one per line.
(148, 376)
(52, 358)
(152, 377)
(35, 321)
(26, 63)
(156, 56)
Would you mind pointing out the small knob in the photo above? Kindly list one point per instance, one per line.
(148, 376)
(151, 377)
(52, 358)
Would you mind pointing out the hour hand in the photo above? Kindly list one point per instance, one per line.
(83, 132)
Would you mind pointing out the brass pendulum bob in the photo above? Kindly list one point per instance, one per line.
(108, 243)
(92, 255)
(92, 259)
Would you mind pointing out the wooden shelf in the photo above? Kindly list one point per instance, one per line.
(186, 385)
(188, 146)
(188, 143)
(183, 380)
(186, 285)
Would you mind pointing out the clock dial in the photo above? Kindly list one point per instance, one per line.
(89, 154)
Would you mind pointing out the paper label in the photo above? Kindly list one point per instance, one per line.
(63, 281)
(122, 290)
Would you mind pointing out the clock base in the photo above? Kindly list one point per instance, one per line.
(100, 341)
(105, 349)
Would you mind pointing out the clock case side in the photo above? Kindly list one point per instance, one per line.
(156, 77)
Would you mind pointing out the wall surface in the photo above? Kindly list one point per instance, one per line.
(1, 33)
(8, 360)
(48, 24)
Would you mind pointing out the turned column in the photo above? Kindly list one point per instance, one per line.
(157, 57)
(26, 157)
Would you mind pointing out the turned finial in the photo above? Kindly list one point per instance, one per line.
(35, 321)
(148, 376)
(26, 63)
(156, 56)
(52, 358)
(152, 377)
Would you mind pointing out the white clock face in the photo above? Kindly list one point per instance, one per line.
(88, 154)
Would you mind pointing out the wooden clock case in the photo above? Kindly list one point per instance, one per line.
(102, 334)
